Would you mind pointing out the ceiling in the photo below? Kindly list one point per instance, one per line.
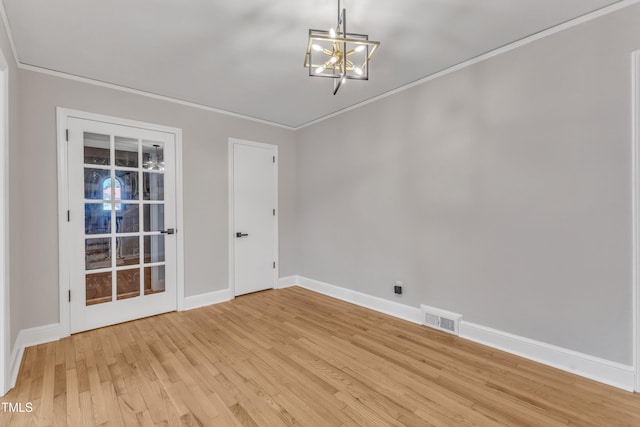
(246, 57)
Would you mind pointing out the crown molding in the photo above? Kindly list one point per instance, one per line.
(482, 57)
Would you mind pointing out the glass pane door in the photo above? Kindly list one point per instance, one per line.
(124, 207)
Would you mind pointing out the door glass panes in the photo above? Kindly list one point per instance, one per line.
(154, 249)
(126, 152)
(153, 217)
(94, 184)
(128, 181)
(97, 253)
(124, 250)
(153, 186)
(153, 279)
(97, 149)
(128, 250)
(128, 283)
(152, 156)
(97, 220)
(98, 288)
(127, 218)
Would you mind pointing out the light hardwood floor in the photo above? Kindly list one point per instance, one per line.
(293, 357)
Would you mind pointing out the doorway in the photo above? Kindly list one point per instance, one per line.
(121, 223)
(253, 210)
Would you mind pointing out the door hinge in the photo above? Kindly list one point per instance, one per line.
(68, 216)
(274, 264)
(69, 295)
(274, 159)
(67, 135)
(274, 212)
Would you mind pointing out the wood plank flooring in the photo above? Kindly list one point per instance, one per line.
(294, 357)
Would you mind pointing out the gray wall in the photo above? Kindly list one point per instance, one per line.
(14, 270)
(205, 138)
(501, 191)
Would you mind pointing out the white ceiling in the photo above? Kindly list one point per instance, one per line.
(246, 56)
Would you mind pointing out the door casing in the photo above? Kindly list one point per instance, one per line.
(231, 234)
(64, 234)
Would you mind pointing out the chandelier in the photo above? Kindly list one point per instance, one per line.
(338, 54)
(153, 163)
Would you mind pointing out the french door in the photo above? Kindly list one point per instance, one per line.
(122, 219)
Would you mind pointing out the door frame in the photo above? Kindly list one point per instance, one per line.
(64, 238)
(5, 331)
(231, 234)
(635, 211)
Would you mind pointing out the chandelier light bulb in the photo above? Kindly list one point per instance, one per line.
(360, 48)
(317, 47)
(333, 60)
(332, 33)
(358, 71)
(320, 69)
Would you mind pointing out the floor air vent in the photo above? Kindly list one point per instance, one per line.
(441, 319)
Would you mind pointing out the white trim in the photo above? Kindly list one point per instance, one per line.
(202, 300)
(405, 312)
(149, 95)
(179, 222)
(5, 21)
(595, 368)
(62, 114)
(5, 307)
(30, 337)
(64, 284)
(231, 234)
(635, 210)
(287, 282)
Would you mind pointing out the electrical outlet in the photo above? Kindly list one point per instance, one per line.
(397, 288)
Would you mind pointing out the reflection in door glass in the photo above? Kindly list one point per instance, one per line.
(153, 249)
(127, 219)
(97, 253)
(152, 156)
(96, 149)
(153, 280)
(128, 250)
(153, 186)
(94, 184)
(128, 283)
(153, 217)
(129, 182)
(98, 288)
(96, 219)
(126, 152)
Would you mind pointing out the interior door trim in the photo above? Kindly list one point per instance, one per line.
(231, 232)
(64, 242)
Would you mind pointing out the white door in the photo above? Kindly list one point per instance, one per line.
(254, 216)
(122, 213)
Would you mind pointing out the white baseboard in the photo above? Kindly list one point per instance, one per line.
(285, 282)
(595, 368)
(411, 314)
(197, 301)
(27, 338)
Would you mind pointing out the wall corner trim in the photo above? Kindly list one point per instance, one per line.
(209, 298)
(601, 370)
(402, 311)
(30, 337)
(287, 282)
(592, 367)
